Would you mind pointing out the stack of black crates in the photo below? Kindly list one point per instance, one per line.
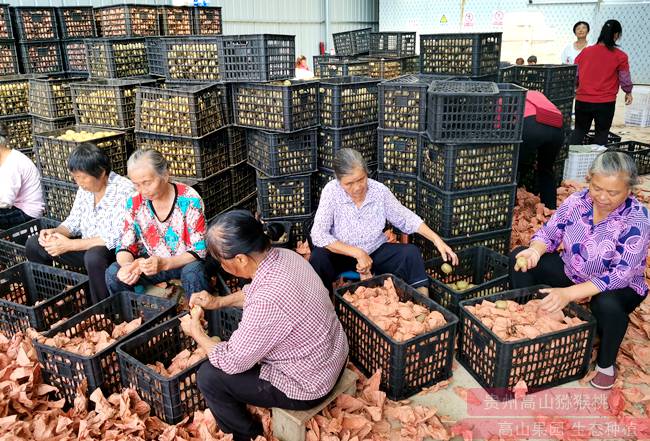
(558, 84)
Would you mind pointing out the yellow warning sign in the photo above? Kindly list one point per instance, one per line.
(443, 19)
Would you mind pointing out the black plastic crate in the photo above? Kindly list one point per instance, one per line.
(362, 138)
(50, 97)
(249, 204)
(175, 20)
(498, 241)
(75, 57)
(565, 106)
(392, 44)
(389, 68)
(36, 23)
(13, 240)
(107, 103)
(38, 296)
(117, 57)
(406, 367)
(67, 370)
(405, 188)
(639, 151)
(157, 110)
(347, 101)
(555, 81)
(486, 269)
(465, 212)
(328, 66)
(460, 54)
(76, 22)
(41, 57)
(349, 43)
(207, 20)
(277, 154)
(52, 150)
(238, 147)
(451, 167)
(127, 21)
(6, 29)
(215, 191)
(243, 182)
(611, 138)
(285, 196)
(258, 57)
(546, 361)
(20, 131)
(462, 111)
(59, 197)
(275, 106)
(321, 178)
(14, 95)
(8, 58)
(171, 398)
(185, 59)
(398, 152)
(40, 125)
(403, 102)
(189, 157)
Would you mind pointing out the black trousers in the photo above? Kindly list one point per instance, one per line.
(12, 217)
(610, 308)
(403, 260)
(541, 143)
(602, 114)
(95, 260)
(227, 396)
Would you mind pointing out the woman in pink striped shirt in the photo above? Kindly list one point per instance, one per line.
(289, 349)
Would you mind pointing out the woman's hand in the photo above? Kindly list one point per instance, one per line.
(205, 300)
(152, 265)
(57, 244)
(191, 325)
(530, 257)
(364, 261)
(555, 300)
(628, 98)
(45, 235)
(446, 251)
(130, 273)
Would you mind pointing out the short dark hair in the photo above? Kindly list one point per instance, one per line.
(238, 232)
(532, 59)
(90, 159)
(575, 26)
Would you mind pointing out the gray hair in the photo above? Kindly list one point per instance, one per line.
(154, 157)
(612, 163)
(346, 161)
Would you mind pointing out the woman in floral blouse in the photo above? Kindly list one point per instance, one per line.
(605, 232)
(91, 232)
(164, 229)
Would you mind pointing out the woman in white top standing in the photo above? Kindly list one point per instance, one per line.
(21, 196)
(572, 50)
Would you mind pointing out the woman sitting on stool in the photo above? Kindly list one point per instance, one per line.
(349, 224)
(89, 235)
(289, 349)
(605, 233)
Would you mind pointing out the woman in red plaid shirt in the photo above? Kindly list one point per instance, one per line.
(289, 349)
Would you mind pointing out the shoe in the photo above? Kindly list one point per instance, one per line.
(603, 381)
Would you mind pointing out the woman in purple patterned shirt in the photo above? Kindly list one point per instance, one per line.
(604, 231)
(348, 230)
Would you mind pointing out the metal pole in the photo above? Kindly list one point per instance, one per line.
(327, 26)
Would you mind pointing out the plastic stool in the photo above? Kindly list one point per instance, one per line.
(350, 275)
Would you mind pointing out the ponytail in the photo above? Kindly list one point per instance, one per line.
(610, 28)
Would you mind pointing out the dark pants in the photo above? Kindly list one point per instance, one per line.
(95, 260)
(227, 397)
(541, 143)
(192, 275)
(12, 217)
(610, 308)
(403, 260)
(601, 114)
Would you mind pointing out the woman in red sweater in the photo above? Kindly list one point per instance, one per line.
(602, 68)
